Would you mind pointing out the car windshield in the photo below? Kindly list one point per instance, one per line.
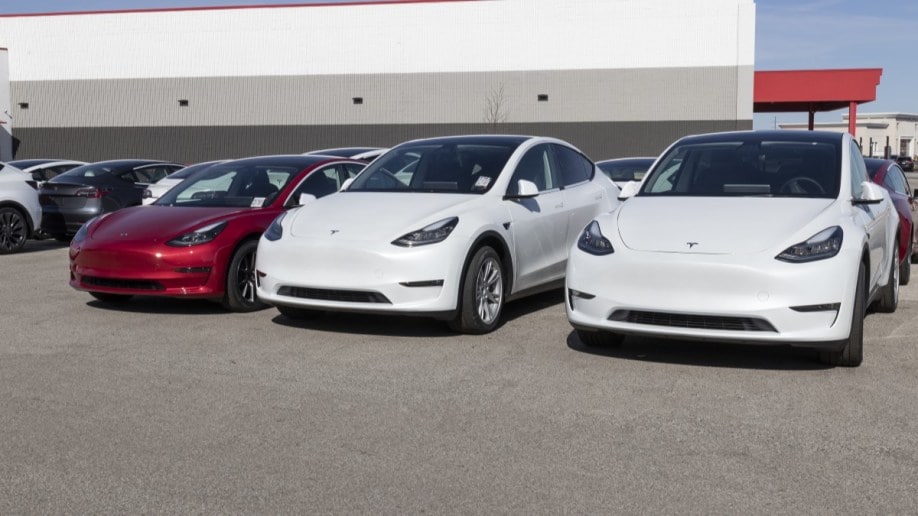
(91, 170)
(470, 168)
(625, 169)
(234, 184)
(742, 168)
(190, 169)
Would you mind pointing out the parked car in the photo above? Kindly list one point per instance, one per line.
(773, 237)
(447, 227)
(157, 189)
(20, 213)
(199, 239)
(42, 170)
(887, 173)
(622, 170)
(367, 154)
(906, 163)
(72, 198)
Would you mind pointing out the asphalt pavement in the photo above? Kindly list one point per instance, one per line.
(166, 406)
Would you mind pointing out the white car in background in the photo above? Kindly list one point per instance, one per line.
(157, 189)
(447, 227)
(773, 237)
(20, 213)
(42, 170)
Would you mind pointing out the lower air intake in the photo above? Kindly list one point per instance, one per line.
(344, 296)
(701, 322)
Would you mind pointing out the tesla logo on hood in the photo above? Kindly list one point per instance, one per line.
(333, 231)
(691, 244)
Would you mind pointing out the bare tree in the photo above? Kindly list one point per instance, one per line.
(496, 110)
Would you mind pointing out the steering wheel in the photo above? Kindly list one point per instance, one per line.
(802, 185)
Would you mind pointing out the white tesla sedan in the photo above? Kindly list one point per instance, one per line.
(447, 227)
(774, 237)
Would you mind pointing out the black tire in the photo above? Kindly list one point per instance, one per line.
(295, 312)
(889, 297)
(481, 294)
(114, 299)
(240, 293)
(600, 339)
(14, 230)
(905, 269)
(852, 350)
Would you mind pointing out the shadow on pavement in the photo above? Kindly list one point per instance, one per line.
(160, 305)
(411, 326)
(705, 354)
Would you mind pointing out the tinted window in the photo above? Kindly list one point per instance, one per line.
(535, 166)
(896, 180)
(231, 184)
(435, 167)
(573, 167)
(858, 170)
(748, 168)
(626, 169)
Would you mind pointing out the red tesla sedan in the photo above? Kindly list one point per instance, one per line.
(199, 239)
(888, 173)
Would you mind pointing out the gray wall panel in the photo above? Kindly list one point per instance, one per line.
(600, 140)
(652, 94)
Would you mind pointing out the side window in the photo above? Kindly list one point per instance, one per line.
(573, 167)
(858, 170)
(899, 184)
(535, 166)
(319, 183)
(353, 169)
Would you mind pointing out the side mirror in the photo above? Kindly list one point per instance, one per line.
(871, 193)
(524, 190)
(629, 190)
(305, 198)
(347, 182)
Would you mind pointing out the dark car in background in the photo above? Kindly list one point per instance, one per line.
(622, 170)
(72, 198)
(889, 175)
(906, 163)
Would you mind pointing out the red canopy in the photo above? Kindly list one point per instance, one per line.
(781, 91)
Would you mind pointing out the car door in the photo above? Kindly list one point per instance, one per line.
(583, 198)
(538, 225)
(872, 216)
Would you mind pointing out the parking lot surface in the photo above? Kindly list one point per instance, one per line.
(165, 406)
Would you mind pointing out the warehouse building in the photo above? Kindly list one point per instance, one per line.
(879, 134)
(614, 77)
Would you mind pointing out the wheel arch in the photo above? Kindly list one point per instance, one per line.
(494, 240)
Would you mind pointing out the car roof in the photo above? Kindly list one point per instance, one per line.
(770, 135)
(480, 139)
(300, 160)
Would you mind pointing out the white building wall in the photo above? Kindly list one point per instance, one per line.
(429, 37)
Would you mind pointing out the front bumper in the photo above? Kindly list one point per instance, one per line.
(709, 297)
(359, 276)
(153, 270)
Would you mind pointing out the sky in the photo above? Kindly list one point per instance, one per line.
(790, 34)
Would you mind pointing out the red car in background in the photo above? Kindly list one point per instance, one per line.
(199, 239)
(888, 173)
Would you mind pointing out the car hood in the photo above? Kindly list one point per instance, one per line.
(156, 223)
(707, 225)
(374, 215)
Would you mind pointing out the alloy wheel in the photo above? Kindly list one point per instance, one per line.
(489, 291)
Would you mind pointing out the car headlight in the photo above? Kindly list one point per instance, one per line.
(275, 231)
(591, 240)
(198, 236)
(825, 244)
(431, 234)
(83, 232)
